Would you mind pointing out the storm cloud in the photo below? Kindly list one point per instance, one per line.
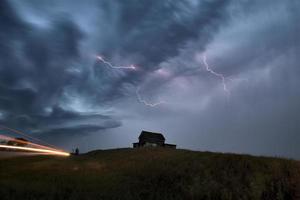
(53, 86)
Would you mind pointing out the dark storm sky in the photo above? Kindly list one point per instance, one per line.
(53, 87)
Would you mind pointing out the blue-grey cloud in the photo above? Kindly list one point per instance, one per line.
(52, 84)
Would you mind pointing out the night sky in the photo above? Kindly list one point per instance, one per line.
(211, 75)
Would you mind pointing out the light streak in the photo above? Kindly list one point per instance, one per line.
(28, 136)
(53, 152)
(24, 142)
(221, 76)
(100, 58)
(143, 101)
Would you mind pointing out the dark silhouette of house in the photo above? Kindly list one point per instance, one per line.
(150, 139)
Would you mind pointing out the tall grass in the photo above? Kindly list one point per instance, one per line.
(151, 173)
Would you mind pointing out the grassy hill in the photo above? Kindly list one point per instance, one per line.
(149, 174)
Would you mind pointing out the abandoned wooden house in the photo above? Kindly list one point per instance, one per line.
(150, 139)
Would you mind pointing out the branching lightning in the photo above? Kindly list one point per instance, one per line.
(143, 101)
(100, 58)
(221, 76)
(132, 67)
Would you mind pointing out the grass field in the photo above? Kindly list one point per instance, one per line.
(151, 173)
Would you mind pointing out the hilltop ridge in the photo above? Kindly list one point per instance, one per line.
(149, 173)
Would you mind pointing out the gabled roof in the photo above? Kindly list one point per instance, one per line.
(146, 135)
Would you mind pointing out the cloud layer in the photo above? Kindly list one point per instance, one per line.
(53, 86)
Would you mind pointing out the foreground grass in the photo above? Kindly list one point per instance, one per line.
(149, 174)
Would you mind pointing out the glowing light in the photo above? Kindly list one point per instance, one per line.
(24, 142)
(221, 76)
(100, 58)
(163, 72)
(143, 101)
(26, 135)
(53, 152)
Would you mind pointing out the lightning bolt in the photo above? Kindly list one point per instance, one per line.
(100, 58)
(221, 76)
(143, 101)
(132, 67)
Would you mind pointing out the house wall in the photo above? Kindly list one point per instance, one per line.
(148, 144)
(136, 144)
(158, 142)
(173, 146)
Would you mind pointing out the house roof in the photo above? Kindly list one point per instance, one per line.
(151, 136)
